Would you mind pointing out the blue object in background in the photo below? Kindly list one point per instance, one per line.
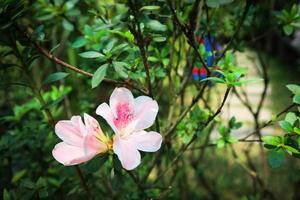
(209, 49)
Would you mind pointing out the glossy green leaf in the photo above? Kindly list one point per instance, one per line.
(296, 99)
(55, 77)
(150, 8)
(286, 126)
(156, 25)
(91, 54)
(291, 118)
(79, 42)
(120, 68)
(99, 75)
(295, 89)
(272, 140)
(18, 175)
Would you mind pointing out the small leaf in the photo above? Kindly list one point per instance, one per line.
(286, 126)
(54, 48)
(18, 175)
(291, 149)
(6, 195)
(91, 54)
(214, 79)
(79, 42)
(272, 140)
(120, 69)
(296, 99)
(55, 77)
(275, 158)
(99, 75)
(150, 8)
(288, 29)
(67, 25)
(295, 89)
(156, 25)
(291, 118)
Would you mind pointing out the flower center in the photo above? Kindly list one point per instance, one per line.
(124, 115)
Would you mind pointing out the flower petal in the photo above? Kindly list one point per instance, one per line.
(70, 155)
(127, 153)
(92, 144)
(120, 96)
(92, 125)
(70, 131)
(77, 122)
(104, 111)
(146, 141)
(146, 110)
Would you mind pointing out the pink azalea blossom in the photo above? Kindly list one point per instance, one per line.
(128, 117)
(81, 142)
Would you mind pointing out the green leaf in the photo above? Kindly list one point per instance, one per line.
(159, 39)
(214, 79)
(67, 25)
(156, 25)
(296, 130)
(275, 158)
(27, 184)
(54, 48)
(272, 140)
(243, 82)
(18, 175)
(53, 103)
(291, 149)
(6, 195)
(220, 143)
(38, 33)
(150, 8)
(55, 77)
(286, 126)
(295, 89)
(99, 75)
(291, 118)
(43, 193)
(91, 54)
(79, 42)
(296, 99)
(288, 29)
(217, 3)
(120, 69)
(222, 130)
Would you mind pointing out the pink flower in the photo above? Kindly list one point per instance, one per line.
(81, 142)
(128, 117)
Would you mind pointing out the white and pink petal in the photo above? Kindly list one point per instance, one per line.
(145, 109)
(71, 155)
(146, 141)
(69, 132)
(127, 153)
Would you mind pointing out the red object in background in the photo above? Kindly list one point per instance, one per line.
(199, 39)
(203, 71)
(195, 71)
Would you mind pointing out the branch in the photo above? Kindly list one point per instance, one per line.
(184, 148)
(58, 61)
(269, 122)
(237, 30)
